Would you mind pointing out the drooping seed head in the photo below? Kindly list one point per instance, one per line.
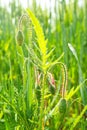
(20, 38)
(51, 79)
(62, 106)
(52, 86)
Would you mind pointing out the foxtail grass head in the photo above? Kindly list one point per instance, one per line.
(20, 37)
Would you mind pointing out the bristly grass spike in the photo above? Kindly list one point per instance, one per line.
(62, 105)
(20, 37)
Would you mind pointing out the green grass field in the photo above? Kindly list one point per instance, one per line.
(43, 66)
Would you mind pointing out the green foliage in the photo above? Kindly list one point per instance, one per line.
(38, 101)
(78, 118)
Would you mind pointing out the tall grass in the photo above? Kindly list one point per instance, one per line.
(22, 104)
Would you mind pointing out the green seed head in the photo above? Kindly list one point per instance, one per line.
(20, 38)
(62, 105)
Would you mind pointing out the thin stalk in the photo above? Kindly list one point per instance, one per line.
(28, 103)
(29, 84)
(64, 41)
(41, 121)
(29, 67)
